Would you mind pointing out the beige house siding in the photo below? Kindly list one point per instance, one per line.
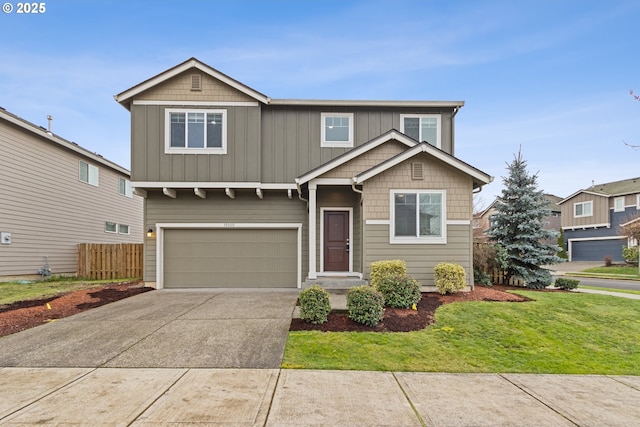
(275, 207)
(366, 161)
(438, 176)
(179, 89)
(600, 211)
(420, 259)
(48, 210)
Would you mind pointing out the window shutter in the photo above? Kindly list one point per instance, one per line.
(417, 171)
(196, 82)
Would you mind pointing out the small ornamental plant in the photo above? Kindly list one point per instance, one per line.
(450, 277)
(566, 284)
(314, 305)
(381, 269)
(400, 291)
(365, 305)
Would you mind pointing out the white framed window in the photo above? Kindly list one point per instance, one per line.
(422, 127)
(337, 129)
(110, 227)
(89, 173)
(582, 209)
(638, 202)
(618, 204)
(195, 131)
(124, 187)
(418, 216)
(123, 229)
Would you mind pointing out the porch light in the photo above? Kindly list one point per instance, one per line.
(150, 233)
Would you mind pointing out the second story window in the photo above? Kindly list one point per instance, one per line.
(582, 209)
(422, 127)
(196, 131)
(618, 204)
(88, 173)
(337, 130)
(124, 187)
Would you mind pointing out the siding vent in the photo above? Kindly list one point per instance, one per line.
(417, 171)
(196, 82)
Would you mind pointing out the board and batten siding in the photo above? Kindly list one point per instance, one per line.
(149, 162)
(217, 208)
(291, 136)
(48, 210)
(600, 211)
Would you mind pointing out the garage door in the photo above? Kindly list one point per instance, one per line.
(229, 258)
(596, 250)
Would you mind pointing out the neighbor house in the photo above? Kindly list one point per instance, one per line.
(482, 219)
(55, 194)
(244, 190)
(591, 219)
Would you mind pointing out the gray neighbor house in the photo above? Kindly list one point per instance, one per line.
(56, 194)
(243, 190)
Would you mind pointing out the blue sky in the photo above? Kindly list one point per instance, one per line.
(552, 77)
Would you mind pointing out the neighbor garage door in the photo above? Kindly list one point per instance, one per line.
(229, 258)
(596, 250)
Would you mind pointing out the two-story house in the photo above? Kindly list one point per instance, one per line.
(56, 194)
(482, 219)
(245, 190)
(591, 219)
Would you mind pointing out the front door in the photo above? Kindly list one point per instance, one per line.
(336, 241)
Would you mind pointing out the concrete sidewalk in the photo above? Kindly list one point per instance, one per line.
(273, 397)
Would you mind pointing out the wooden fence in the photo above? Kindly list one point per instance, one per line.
(499, 277)
(110, 261)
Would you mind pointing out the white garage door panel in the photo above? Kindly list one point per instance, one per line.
(254, 258)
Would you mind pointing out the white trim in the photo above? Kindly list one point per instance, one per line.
(230, 192)
(321, 236)
(169, 192)
(197, 103)
(211, 185)
(115, 224)
(586, 202)
(615, 200)
(200, 193)
(366, 103)
(140, 192)
(584, 227)
(332, 181)
(458, 222)
(336, 144)
(355, 152)
(168, 149)
(438, 117)
(588, 239)
(312, 232)
(393, 240)
(185, 66)
(161, 227)
(377, 222)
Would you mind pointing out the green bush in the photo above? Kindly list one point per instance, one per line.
(380, 269)
(630, 254)
(399, 291)
(365, 305)
(566, 284)
(314, 304)
(450, 277)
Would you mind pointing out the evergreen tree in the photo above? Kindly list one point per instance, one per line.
(518, 227)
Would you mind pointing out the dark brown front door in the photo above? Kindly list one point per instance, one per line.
(336, 241)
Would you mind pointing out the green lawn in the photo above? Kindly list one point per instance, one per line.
(16, 291)
(568, 333)
(622, 291)
(624, 272)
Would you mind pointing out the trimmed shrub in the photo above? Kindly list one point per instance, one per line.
(314, 304)
(365, 305)
(450, 277)
(380, 269)
(566, 284)
(399, 291)
(630, 255)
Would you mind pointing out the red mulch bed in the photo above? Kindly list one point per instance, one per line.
(406, 320)
(23, 315)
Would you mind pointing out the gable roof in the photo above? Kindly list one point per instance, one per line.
(479, 178)
(125, 97)
(42, 133)
(610, 189)
(356, 152)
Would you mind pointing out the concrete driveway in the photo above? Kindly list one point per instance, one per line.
(221, 328)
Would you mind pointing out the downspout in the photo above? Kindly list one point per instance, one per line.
(300, 194)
